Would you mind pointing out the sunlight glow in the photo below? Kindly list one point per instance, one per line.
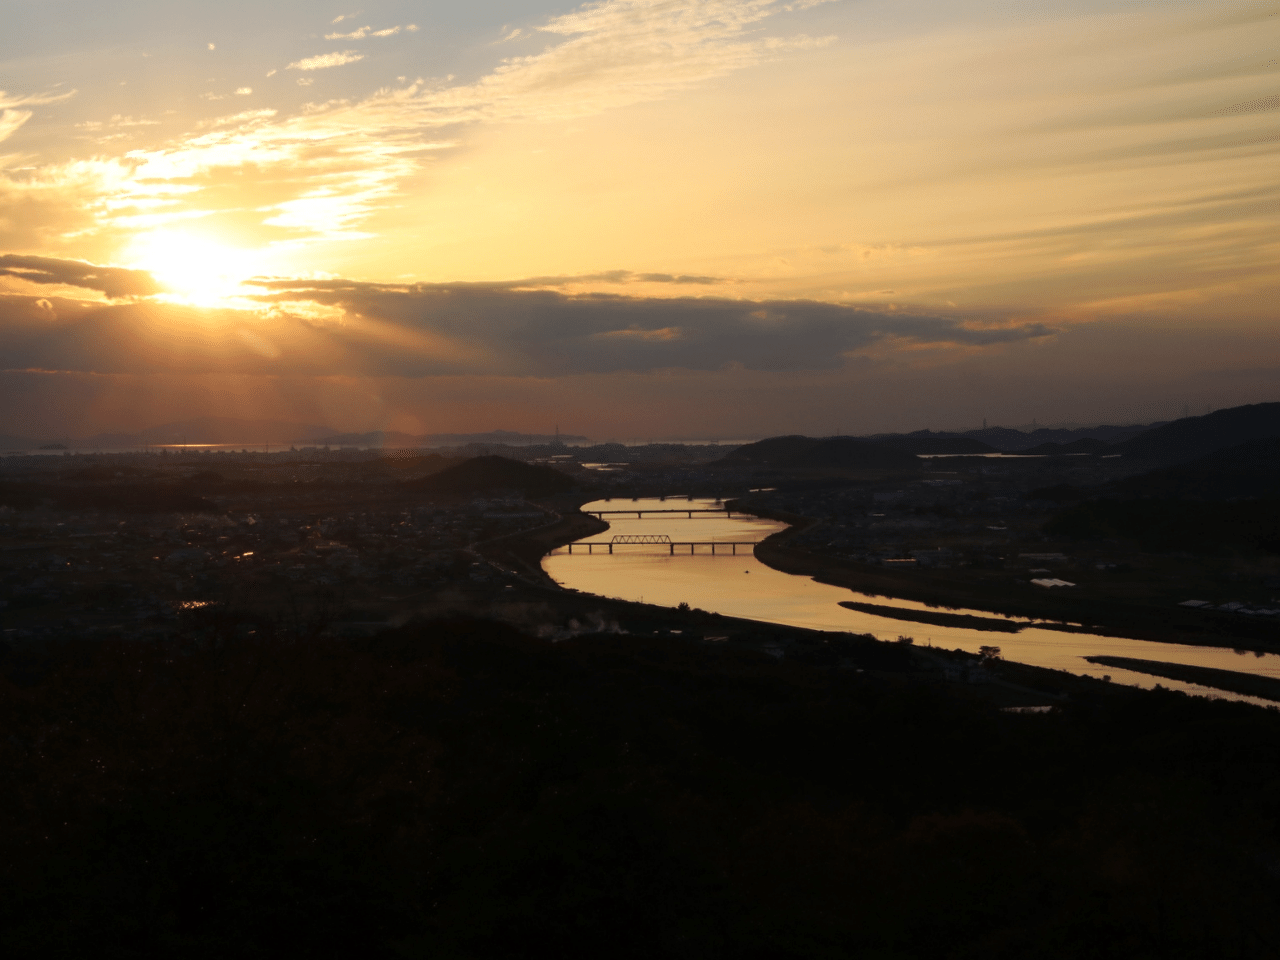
(194, 269)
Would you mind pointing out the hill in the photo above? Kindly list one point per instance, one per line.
(1194, 437)
(834, 452)
(1224, 502)
(1009, 440)
(493, 475)
(773, 450)
(1247, 470)
(848, 453)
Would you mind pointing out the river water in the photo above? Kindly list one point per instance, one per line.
(741, 586)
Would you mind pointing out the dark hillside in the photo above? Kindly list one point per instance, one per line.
(774, 450)
(833, 452)
(1198, 527)
(1248, 470)
(1018, 441)
(457, 789)
(847, 453)
(1194, 437)
(493, 474)
(1226, 502)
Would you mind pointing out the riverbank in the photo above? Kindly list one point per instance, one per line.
(963, 620)
(1245, 683)
(522, 552)
(1012, 597)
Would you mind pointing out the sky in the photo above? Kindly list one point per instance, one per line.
(637, 218)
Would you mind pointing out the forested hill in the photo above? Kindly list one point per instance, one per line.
(457, 789)
(1193, 437)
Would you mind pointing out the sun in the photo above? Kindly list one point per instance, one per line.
(192, 268)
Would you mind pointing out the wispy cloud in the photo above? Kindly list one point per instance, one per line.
(333, 164)
(364, 32)
(324, 61)
(8, 101)
(12, 118)
(615, 53)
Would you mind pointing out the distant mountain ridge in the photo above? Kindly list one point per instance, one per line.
(1007, 439)
(1193, 437)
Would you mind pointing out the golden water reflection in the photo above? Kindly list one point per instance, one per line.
(742, 586)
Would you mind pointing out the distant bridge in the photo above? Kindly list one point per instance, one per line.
(640, 512)
(661, 539)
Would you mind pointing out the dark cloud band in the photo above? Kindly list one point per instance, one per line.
(340, 327)
(115, 282)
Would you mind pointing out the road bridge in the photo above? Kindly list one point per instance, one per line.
(641, 511)
(661, 539)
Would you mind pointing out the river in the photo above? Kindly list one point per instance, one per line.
(742, 586)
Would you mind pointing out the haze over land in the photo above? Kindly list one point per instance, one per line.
(703, 218)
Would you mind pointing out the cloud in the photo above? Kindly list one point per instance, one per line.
(317, 175)
(497, 328)
(631, 333)
(615, 53)
(11, 120)
(324, 61)
(608, 276)
(346, 328)
(1260, 105)
(370, 32)
(34, 99)
(238, 119)
(115, 282)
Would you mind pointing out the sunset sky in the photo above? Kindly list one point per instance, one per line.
(637, 218)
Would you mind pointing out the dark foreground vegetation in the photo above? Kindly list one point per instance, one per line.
(457, 789)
